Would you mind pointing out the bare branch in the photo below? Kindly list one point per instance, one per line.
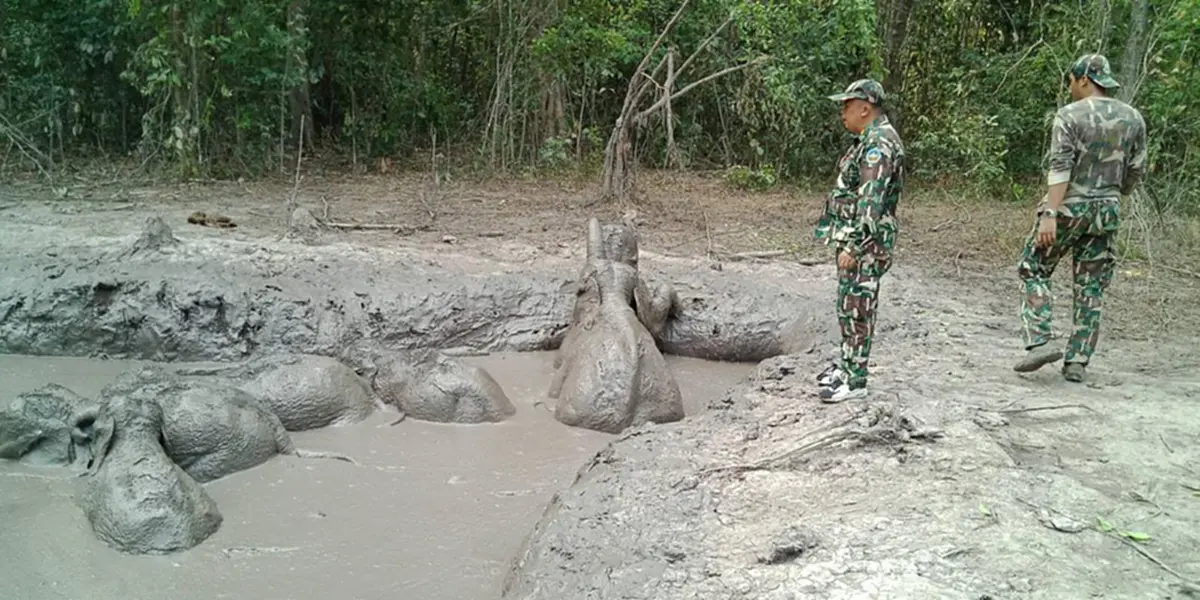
(661, 36)
(702, 80)
(708, 40)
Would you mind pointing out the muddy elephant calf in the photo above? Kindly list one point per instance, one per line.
(430, 386)
(136, 498)
(609, 373)
(305, 391)
(35, 428)
(209, 429)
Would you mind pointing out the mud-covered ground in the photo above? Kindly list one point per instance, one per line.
(957, 478)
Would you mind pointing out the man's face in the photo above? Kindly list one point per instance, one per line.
(856, 114)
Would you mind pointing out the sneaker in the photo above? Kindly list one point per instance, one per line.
(841, 391)
(1074, 371)
(1036, 358)
(829, 375)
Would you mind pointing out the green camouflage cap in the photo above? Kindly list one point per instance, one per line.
(1096, 68)
(863, 89)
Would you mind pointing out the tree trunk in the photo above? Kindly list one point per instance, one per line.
(1135, 50)
(893, 32)
(299, 99)
(184, 130)
(673, 161)
(617, 180)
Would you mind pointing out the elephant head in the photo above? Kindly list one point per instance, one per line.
(92, 428)
(95, 428)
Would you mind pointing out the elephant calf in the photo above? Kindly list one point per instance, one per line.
(431, 386)
(36, 427)
(210, 430)
(136, 498)
(609, 373)
(305, 391)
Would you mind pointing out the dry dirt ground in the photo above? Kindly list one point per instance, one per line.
(1036, 488)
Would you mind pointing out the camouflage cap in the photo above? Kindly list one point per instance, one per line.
(863, 89)
(1096, 68)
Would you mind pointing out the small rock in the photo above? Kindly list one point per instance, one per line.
(1021, 585)
(789, 545)
(449, 239)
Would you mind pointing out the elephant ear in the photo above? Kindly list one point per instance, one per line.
(93, 429)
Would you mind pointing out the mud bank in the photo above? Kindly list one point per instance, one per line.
(430, 511)
(942, 485)
(199, 297)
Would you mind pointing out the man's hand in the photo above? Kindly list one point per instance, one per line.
(1047, 232)
(845, 261)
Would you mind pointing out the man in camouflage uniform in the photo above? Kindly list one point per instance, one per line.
(860, 221)
(1097, 155)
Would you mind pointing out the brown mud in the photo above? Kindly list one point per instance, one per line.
(430, 511)
(957, 478)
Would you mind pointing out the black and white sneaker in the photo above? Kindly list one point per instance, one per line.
(841, 391)
(831, 374)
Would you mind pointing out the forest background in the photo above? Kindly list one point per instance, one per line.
(600, 90)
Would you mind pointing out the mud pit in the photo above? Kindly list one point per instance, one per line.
(941, 485)
(431, 511)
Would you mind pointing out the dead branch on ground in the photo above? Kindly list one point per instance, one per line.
(617, 180)
(764, 255)
(1016, 411)
(1186, 583)
(1180, 271)
(875, 424)
(393, 227)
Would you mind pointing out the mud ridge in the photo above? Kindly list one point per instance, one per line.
(201, 299)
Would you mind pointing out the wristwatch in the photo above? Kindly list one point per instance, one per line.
(1048, 212)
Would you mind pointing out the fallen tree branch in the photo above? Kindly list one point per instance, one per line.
(765, 254)
(1189, 585)
(875, 424)
(405, 229)
(1180, 271)
(1014, 411)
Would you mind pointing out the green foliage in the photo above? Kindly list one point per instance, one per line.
(217, 87)
(755, 180)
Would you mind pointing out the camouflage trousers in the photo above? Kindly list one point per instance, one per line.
(857, 301)
(1087, 231)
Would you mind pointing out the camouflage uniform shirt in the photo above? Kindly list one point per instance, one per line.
(1098, 147)
(861, 208)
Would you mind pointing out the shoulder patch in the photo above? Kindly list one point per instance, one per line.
(874, 155)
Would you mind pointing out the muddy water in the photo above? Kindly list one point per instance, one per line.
(431, 512)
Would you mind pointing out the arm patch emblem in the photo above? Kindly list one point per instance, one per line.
(873, 157)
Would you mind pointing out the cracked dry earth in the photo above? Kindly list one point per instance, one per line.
(957, 478)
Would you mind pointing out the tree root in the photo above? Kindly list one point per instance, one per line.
(876, 424)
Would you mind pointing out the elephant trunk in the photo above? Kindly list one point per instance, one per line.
(595, 242)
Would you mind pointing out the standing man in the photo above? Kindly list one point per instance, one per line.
(860, 221)
(1097, 155)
